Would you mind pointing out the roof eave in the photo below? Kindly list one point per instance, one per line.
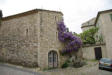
(27, 13)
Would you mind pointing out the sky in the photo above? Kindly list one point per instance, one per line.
(75, 12)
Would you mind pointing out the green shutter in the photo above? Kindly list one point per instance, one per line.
(111, 17)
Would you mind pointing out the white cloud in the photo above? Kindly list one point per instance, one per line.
(75, 11)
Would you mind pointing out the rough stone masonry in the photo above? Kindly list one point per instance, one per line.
(27, 38)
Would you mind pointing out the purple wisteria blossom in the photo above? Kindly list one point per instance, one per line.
(73, 42)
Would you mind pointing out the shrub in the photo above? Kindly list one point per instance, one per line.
(65, 65)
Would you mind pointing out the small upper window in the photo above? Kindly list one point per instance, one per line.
(111, 17)
(55, 18)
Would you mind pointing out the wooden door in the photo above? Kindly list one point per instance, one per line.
(98, 53)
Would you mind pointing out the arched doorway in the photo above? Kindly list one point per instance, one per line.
(52, 59)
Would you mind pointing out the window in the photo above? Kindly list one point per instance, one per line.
(26, 31)
(52, 59)
(55, 18)
(56, 36)
(111, 17)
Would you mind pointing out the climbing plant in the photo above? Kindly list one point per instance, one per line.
(73, 43)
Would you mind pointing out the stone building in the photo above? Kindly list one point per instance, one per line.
(103, 46)
(87, 25)
(31, 38)
(104, 23)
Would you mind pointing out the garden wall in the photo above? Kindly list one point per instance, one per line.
(89, 53)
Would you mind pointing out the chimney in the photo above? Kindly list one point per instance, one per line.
(1, 15)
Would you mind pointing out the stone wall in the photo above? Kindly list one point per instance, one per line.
(105, 24)
(49, 37)
(88, 51)
(72, 57)
(19, 40)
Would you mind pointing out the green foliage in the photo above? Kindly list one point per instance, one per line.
(65, 65)
(88, 36)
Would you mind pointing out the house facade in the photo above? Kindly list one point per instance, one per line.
(103, 45)
(31, 39)
(104, 23)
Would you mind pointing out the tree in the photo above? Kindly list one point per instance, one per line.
(88, 36)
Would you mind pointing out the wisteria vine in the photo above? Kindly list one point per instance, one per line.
(73, 42)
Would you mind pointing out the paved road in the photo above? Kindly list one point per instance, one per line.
(11, 70)
(92, 70)
(101, 72)
(95, 71)
(87, 70)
